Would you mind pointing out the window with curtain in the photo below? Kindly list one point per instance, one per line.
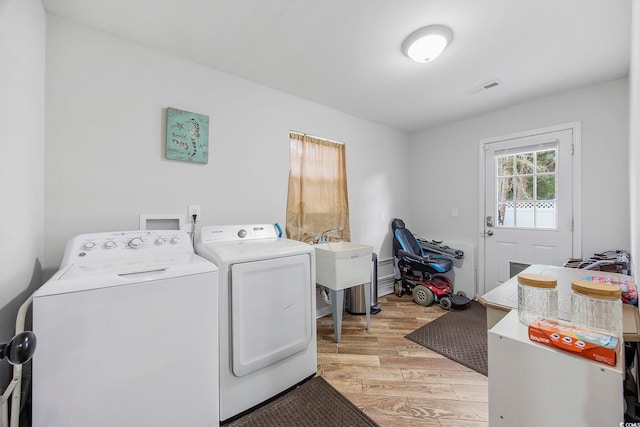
(318, 199)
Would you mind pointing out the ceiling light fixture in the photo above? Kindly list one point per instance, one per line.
(427, 43)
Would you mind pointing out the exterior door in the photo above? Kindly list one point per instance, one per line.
(528, 214)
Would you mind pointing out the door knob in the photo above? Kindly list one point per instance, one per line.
(489, 232)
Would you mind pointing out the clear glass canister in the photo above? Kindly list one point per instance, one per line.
(596, 306)
(537, 297)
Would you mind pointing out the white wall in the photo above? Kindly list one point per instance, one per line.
(22, 77)
(105, 133)
(438, 185)
(634, 136)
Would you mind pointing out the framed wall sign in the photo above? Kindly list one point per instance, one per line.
(187, 136)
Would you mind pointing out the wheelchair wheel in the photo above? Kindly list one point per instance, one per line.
(461, 293)
(445, 303)
(422, 295)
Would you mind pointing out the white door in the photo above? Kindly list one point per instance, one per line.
(529, 203)
(271, 311)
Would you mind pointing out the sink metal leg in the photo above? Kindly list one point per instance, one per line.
(337, 307)
(367, 303)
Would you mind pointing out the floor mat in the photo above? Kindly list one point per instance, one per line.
(460, 335)
(314, 403)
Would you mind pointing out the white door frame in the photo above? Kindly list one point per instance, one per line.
(576, 128)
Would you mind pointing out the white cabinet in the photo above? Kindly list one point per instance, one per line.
(532, 385)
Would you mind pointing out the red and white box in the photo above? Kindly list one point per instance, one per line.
(576, 340)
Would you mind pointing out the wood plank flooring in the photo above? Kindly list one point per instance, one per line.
(394, 380)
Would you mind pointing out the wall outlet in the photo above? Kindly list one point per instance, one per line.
(194, 210)
(454, 211)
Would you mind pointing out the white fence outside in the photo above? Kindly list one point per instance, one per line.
(530, 214)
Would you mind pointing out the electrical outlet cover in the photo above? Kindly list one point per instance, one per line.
(194, 210)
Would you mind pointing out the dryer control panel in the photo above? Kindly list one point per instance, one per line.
(110, 245)
(231, 233)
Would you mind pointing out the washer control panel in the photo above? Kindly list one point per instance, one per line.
(126, 243)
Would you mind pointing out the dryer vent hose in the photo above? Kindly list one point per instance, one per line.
(324, 294)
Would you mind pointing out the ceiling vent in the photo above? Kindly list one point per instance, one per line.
(484, 86)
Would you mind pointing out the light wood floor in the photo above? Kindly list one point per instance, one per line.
(394, 380)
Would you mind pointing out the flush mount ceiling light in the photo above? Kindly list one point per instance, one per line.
(427, 43)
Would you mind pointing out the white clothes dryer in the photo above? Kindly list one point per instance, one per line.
(267, 312)
(127, 334)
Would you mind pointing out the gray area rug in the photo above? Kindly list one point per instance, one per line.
(314, 403)
(460, 335)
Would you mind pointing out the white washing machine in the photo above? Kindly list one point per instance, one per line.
(267, 312)
(127, 334)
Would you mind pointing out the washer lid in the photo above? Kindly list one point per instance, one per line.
(226, 253)
(96, 275)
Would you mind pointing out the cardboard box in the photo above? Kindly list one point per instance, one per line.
(579, 341)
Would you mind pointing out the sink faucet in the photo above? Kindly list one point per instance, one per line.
(324, 238)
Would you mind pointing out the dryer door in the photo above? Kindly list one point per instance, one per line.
(271, 311)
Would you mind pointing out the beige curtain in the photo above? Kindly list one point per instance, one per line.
(318, 199)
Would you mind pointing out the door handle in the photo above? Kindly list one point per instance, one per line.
(489, 233)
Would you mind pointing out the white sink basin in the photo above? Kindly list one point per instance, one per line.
(341, 265)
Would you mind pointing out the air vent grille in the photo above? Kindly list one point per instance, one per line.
(484, 86)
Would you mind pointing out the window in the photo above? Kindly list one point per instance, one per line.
(317, 199)
(526, 186)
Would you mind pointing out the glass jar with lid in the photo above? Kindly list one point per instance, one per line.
(537, 297)
(596, 306)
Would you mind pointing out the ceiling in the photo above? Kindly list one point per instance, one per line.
(345, 54)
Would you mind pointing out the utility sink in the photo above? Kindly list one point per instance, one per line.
(341, 265)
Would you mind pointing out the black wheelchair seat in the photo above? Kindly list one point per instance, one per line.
(407, 250)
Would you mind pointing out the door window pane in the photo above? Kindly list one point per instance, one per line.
(526, 189)
(505, 166)
(524, 163)
(546, 187)
(525, 214)
(505, 189)
(506, 215)
(546, 161)
(546, 214)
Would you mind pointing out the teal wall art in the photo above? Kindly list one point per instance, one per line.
(187, 136)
